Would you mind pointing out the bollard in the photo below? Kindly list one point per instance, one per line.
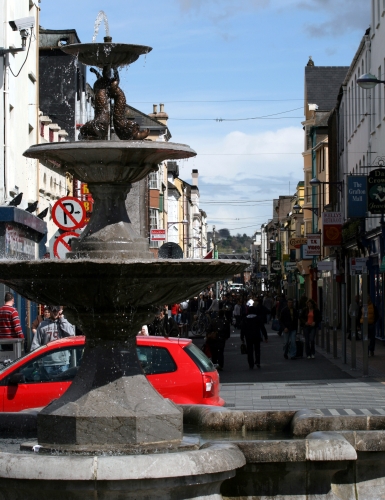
(335, 343)
(353, 326)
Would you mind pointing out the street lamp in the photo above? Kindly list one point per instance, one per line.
(368, 81)
(297, 209)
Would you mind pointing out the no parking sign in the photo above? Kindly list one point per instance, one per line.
(62, 245)
(69, 213)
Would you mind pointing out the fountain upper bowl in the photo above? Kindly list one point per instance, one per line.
(103, 54)
(109, 161)
(114, 283)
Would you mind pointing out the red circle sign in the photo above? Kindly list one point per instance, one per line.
(62, 246)
(69, 213)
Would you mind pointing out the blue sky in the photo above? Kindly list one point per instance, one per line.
(231, 60)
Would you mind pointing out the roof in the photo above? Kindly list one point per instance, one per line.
(53, 39)
(145, 121)
(322, 84)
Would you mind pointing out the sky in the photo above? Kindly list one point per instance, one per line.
(231, 76)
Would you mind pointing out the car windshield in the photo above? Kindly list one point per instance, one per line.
(199, 358)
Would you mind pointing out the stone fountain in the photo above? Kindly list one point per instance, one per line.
(110, 426)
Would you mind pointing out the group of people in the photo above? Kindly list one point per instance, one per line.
(49, 326)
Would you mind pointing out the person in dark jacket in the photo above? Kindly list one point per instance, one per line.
(217, 334)
(252, 331)
(311, 317)
(163, 325)
(289, 324)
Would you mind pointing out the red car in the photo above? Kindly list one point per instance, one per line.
(176, 368)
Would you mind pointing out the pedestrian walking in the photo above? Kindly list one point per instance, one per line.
(10, 327)
(372, 320)
(252, 332)
(268, 303)
(40, 318)
(311, 315)
(289, 324)
(54, 328)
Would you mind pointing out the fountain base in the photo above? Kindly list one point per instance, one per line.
(187, 475)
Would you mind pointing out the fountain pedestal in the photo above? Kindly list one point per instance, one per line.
(110, 405)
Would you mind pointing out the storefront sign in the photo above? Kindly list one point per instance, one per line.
(276, 265)
(290, 266)
(157, 234)
(314, 244)
(357, 195)
(332, 228)
(297, 242)
(376, 191)
(358, 265)
(325, 266)
(17, 244)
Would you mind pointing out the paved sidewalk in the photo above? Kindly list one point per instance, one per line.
(376, 363)
(324, 384)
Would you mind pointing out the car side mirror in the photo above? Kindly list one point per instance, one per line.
(16, 379)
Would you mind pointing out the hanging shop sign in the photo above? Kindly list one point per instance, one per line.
(325, 266)
(313, 244)
(358, 265)
(290, 266)
(297, 242)
(357, 195)
(276, 265)
(332, 228)
(376, 191)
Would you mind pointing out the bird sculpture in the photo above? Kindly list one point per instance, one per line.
(16, 200)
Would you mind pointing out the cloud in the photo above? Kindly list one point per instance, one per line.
(248, 173)
(220, 10)
(341, 17)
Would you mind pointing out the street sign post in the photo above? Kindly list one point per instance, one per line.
(69, 213)
(62, 246)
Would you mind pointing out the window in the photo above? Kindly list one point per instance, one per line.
(153, 180)
(199, 358)
(155, 360)
(60, 365)
(154, 224)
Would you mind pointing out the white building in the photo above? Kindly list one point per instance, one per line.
(19, 120)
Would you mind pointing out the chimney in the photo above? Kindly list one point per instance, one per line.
(195, 176)
(155, 108)
(162, 117)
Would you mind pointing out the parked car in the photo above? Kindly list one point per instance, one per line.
(175, 367)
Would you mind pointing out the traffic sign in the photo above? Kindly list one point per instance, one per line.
(62, 246)
(69, 213)
(276, 265)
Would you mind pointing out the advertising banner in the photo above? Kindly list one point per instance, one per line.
(357, 195)
(313, 244)
(332, 228)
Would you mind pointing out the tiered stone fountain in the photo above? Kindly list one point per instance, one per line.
(109, 425)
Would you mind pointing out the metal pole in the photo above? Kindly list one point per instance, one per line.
(334, 305)
(353, 323)
(328, 319)
(343, 320)
(364, 332)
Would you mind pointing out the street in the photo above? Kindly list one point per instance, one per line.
(322, 384)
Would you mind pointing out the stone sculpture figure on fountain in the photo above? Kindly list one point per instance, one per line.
(106, 88)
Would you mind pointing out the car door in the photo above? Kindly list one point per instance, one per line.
(39, 384)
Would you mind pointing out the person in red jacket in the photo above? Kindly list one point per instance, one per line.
(10, 327)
